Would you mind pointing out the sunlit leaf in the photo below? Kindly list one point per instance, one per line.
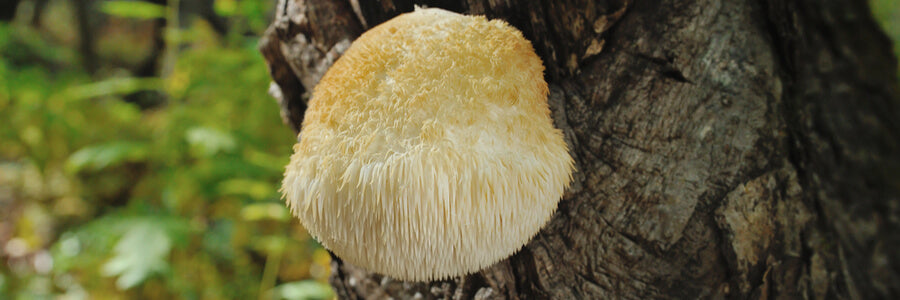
(32, 135)
(255, 189)
(102, 156)
(304, 290)
(112, 86)
(225, 7)
(271, 162)
(124, 112)
(133, 9)
(270, 243)
(177, 82)
(210, 141)
(265, 211)
(140, 253)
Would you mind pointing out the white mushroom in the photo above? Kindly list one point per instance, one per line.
(427, 150)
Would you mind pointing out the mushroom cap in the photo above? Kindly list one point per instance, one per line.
(427, 149)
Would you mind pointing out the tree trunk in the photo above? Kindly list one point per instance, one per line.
(725, 149)
(8, 10)
(86, 35)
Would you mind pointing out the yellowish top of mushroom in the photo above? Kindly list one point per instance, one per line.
(427, 150)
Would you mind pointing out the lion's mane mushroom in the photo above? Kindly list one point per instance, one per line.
(427, 150)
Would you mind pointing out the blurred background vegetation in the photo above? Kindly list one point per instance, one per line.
(140, 156)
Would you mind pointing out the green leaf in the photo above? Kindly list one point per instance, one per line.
(217, 240)
(133, 9)
(124, 112)
(263, 211)
(271, 244)
(225, 7)
(142, 252)
(209, 141)
(272, 163)
(95, 158)
(254, 189)
(305, 290)
(112, 86)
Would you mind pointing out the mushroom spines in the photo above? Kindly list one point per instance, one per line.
(428, 150)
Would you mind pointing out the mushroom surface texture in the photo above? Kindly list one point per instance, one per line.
(427, 149)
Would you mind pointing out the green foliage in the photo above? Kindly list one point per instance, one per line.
(226, 7)
(142, 251)
(306, 289)
(133, 9)
(99, 157)
(109, 87)
(178, 201)
(208, 142)
(887, 13)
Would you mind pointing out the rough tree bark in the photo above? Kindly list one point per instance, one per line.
(725, 149)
